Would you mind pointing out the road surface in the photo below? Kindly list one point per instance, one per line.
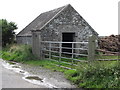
(18, 75)
(11, 79)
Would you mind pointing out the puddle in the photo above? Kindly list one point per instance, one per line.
(34, 78)
(27, 76)
(15, 67)
(21, 71)
(12, 63)
(38, 81)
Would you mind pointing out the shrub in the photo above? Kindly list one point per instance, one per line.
(99, 74)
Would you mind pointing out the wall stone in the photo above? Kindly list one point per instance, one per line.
(24, 40)
(66, 21)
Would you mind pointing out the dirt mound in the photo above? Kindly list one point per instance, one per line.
(110, 43)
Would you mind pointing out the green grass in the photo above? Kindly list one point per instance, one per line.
(107, 57)
(0, 54)
(95, 74)
(98, 74)
(46, 64)
(18, 53)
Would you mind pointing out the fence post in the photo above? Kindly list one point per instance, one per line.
(91, 48)
(72, 52)
(49, 50)
(60, 51)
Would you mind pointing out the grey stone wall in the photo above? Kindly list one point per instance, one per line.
(24, 40)
(67, 21)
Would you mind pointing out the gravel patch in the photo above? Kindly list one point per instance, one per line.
(55, 78)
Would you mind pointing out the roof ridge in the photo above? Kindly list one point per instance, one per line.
(55, 16)
(60, 9)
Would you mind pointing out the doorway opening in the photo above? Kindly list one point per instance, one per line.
(67, 37)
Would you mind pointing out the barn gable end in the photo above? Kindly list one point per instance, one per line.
(67, 20)
(61, 24)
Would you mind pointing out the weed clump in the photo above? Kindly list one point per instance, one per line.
(18, 53)
(97, 75)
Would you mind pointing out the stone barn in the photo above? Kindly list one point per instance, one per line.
(61, 24)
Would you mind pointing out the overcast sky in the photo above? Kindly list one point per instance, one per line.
(102, 15)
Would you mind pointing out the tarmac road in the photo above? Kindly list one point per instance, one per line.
(16, 76)
(12, 79)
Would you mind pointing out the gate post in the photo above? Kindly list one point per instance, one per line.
(41, 51)
(41, 44)
(60, 52)
(91, 48)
